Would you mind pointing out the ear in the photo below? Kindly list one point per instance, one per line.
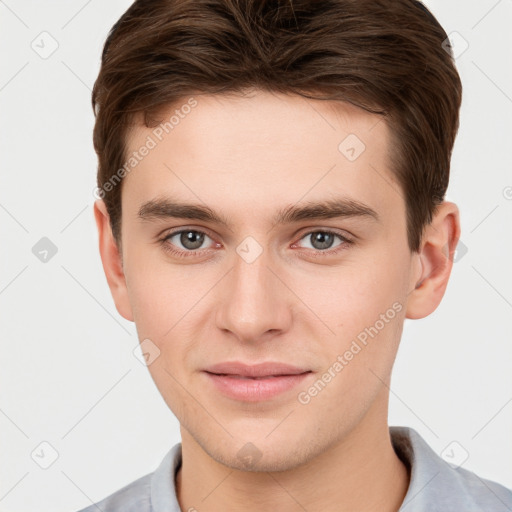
(112, 261)
(435, 257)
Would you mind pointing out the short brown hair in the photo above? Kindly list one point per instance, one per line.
(389, 57)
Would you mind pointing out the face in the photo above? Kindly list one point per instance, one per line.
(270, 277)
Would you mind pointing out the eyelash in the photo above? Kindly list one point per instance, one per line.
(167, 246)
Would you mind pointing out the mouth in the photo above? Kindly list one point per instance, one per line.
(266, 369)
(249, 378)
(254, 383)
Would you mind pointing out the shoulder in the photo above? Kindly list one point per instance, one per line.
(436, 485)
(154, 492)
(134, 497)
(480, 493)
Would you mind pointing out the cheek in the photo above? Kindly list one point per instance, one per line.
(160, 293)
(152, 305)
(352, 296)
(167, 303)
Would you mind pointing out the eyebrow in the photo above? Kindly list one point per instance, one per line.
(164, 208)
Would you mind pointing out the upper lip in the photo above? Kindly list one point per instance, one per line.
(256, 370)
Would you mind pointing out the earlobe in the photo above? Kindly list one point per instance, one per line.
(436, 260)
(111, 261)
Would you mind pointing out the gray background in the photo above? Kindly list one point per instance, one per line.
(68, 373)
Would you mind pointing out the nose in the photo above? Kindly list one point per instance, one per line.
(255, 303)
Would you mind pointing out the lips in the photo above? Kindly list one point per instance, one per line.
(255, 383)
(256, 371)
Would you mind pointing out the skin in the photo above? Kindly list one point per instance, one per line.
(246, 157)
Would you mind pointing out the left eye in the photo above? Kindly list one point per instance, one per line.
(322, 240)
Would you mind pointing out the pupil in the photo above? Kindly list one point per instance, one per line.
(191, 239)
(324, 239)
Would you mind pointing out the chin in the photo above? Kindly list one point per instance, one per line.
(252, 459)
(262, 455)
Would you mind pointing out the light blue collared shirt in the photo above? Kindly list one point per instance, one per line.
(435, 485)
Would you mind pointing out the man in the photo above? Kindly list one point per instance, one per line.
(271, 182)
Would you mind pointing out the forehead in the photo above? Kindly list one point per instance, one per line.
(259, 150)
(264, 116)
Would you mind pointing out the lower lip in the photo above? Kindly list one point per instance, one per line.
(255, 390)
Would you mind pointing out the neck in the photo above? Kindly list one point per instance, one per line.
(359, 472)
